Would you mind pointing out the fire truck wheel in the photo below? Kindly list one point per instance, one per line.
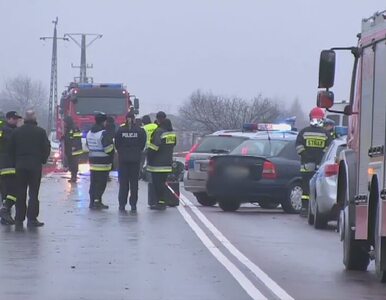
(310, 216)
(320, 220)
(229, 204)
(355, 253)
(205, 200)
(380, 251)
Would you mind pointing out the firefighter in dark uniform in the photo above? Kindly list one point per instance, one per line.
(7, 169)
(160, 157)
(311, 144)
(72, 147)
(29, 149)
(130, 140)
(100, 146)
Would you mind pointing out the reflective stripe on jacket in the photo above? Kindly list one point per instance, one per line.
(160, 151)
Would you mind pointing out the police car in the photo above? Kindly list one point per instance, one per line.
(264, 169)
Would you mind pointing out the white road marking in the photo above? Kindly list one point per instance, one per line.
(245, 283)
(260, 274)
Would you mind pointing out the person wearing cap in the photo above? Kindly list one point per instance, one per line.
(72, 147)
(29, 149)
(100, 145)
(160, 158)
(7, 169)
(130, 140)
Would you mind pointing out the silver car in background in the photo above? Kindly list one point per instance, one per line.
(197, 161)
(323, 206)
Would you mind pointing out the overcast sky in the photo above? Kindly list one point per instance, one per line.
(163, 50)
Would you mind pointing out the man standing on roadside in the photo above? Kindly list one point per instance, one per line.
(29, 149)
(101, 146)
(130, 141)
(160, 157)
(7, 169)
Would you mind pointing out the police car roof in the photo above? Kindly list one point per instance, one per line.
(257, 134)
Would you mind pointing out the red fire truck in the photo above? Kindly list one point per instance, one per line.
(82, 100)
(361, 189)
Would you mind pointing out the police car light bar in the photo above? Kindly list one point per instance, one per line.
(266, 127)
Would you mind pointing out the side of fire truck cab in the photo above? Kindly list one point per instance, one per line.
(361, 188)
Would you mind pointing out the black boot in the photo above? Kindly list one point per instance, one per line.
(5, 215)
(304, 209)
(35, 223)
(98, 204)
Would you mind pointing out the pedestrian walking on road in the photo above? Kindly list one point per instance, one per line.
(72, 147)
(7, 169)
(311, 143)
(160, 157)
(29, 149)
(100, 145)
(130, 141)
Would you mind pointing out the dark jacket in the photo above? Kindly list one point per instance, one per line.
(73, 142)
(100, 146)
(29, 146)
(311, 144)
(160, 151)
(130, 140)
(6, 164)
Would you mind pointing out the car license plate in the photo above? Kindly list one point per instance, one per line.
(237, 172)
(204, 167)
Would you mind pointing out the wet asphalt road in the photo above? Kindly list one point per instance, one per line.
(83, 254)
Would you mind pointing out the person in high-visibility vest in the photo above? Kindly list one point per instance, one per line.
(149, 128)
(160, 157)
(311, 144)
(7, 169)
(72, 147)
(100, 145)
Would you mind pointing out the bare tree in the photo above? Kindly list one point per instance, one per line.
(22, 93)
(206, 112)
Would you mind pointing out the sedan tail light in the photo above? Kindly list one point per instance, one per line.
(331, 170)
(211, 167)
(269, 170)
(187, 157)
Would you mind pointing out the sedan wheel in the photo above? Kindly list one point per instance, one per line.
(205, 200)
(229, 204)
(293, 203)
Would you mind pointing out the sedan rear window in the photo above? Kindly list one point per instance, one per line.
(219, 144)
(265, 148)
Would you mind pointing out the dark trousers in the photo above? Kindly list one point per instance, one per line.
(73, 165)
(27, 179)
(128, 180)
(98, 182)
(306, 177)
(9, 189)
(159, 180)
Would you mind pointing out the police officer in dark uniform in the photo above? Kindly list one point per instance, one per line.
(100, 145)
(160, 157)
(29, 149)
(72, 147)
(130, 140)
(7, 169)
(311, 144)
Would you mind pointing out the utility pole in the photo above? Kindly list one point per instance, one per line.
(83, 46)
(53, 100)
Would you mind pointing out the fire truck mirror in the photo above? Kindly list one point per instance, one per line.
(327, 69)
(325, 99)
(136, 103)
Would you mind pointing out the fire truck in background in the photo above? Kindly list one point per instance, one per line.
(361, 189)
(81, 101)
